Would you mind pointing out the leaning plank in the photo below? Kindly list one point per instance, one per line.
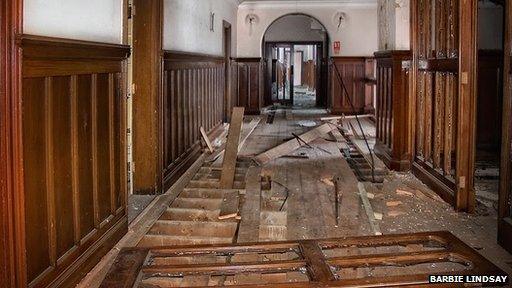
(229, 206)
(293, 144)
(206, 140)
(247, 130)
(369, 210)
(250, 211)
(228, 165)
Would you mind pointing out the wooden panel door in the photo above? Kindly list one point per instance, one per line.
(505, 209)
(444, 50)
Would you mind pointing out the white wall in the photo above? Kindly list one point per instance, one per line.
(394, 24)
(295, 28)
(90, 20)
(187, 25)
(358, 36)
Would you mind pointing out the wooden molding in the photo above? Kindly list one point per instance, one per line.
(49, 48)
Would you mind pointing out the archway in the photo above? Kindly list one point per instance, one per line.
(295, 51)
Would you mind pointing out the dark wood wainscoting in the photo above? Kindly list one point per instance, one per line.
(250, 84)
(352, 70)
(74, 162)
(394, 133)
(193, 97)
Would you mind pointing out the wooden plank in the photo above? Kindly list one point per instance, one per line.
(315, 258)
(369, 210)
(206, 140)
(250, 211)
(230, 155)
(293, 144)
(125, 269)
(247, 130)
(229, 206)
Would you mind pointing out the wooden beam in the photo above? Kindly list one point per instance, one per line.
(291, 145)
(228, 165)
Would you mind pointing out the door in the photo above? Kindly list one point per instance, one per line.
(444, 51)
(505, 209)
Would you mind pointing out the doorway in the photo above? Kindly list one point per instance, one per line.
(294, 78)
(490, 43)
(294, 49)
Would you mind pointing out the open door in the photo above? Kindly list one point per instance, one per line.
(505, 209)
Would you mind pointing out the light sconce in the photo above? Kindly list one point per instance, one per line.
(251, 19)
(212, 22)
(340, 20)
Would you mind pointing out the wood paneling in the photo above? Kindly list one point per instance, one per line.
(74, 159)
(370, 85)
(394, 133)
(444, 118)
(250, 84)
(147, 77)
(352, 70)
(193, 97)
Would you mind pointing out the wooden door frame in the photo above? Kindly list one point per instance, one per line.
(320, 77)
(12, 229)
(147, 98)
(227, 42)
(504, 213)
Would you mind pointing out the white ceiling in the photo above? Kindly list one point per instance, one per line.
(311, 1)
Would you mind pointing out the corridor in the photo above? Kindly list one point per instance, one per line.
(255, 143)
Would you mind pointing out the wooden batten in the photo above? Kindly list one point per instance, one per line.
(394, 109)
(74, 155)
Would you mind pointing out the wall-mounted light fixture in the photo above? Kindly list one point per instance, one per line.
(212, 22)
(251, 20)
(340, 19)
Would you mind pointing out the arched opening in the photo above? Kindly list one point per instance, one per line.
(295, 51)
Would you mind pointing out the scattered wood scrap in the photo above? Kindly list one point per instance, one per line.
(404, 193)
(206, 140)
(327, 181)
(229, 206)
(393, 203)
(228, 165)
(292, 145)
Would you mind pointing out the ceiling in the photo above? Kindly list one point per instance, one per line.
(338, 1)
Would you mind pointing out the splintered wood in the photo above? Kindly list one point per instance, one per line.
(292, 145)
(404, 260)
(228, 165)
